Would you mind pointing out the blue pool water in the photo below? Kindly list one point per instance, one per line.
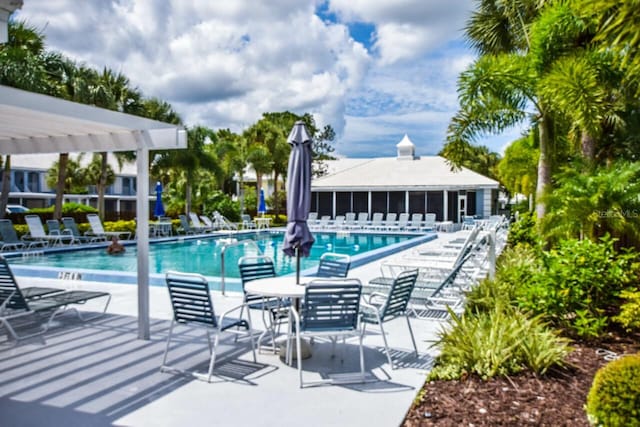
(203, 255)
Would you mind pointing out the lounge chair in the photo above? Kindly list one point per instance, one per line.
(71, 226)
(381, 308)
(429, 223)
(223, 223)
(10, 239)
(330, 309)
(350, 220)
(53, 226)
(98, 230)
(390, 221)
(37, 233)
(376, 221)
(415, 223)
(210, 226)
(192, 305)
(185, 227)
(15, 307)
(196, 225)
(403, 221)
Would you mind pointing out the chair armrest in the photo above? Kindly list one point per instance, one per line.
(373, 295)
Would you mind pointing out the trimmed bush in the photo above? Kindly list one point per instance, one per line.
(614, 398)
(629, 316)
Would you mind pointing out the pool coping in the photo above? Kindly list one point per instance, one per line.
(158, 279)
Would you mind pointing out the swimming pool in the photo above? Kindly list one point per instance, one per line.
(203, 255)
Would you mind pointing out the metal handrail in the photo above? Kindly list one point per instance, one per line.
(223, 250)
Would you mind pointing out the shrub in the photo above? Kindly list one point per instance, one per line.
(218, 201)
(68, 208)
(614, 398)
(629, 316)
(129, 226)
(579, 281)
(495, 343)
(514, 268)
(523, 231)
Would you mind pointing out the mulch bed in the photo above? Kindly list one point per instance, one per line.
(556, 399)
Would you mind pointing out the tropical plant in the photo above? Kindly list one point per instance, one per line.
(517, 169)
(629, 316)
(498, 342)
(75, 181)
(590, 205)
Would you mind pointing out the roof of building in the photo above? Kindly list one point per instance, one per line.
(392, 173)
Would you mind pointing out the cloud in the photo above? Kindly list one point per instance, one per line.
(223, 63)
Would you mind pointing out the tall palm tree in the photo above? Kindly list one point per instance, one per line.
(22, 65)
(187, 162)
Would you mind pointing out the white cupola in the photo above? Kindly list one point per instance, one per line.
(406, 149)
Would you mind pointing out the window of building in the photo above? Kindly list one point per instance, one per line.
(360, 201)
(397, 202)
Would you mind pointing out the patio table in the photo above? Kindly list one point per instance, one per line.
(261, 222)
(280, 287)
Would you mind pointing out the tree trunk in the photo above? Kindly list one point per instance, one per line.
(258, 187)
(276, 202)
(588, 145)
(6, 186)
(102, 184)
(544, 165)
(62, 177)
(187, 199)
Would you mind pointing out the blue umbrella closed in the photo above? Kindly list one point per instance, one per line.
(158, 209)
(262, 206)
(298, 239)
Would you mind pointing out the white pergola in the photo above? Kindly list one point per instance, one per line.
(31, 123)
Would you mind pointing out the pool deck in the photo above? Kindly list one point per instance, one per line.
(99, 374)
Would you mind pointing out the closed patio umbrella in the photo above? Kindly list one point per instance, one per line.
(298, 239)
(262, 206)
(158, 209)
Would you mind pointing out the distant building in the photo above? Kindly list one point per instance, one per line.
(29, 185)
(405, 183)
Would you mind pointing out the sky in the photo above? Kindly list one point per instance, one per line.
(373, 70)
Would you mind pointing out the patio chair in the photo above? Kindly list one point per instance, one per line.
(330, 309)
(261, 267)
(70, 224)
(350, 220)
(403, 221)
(37, 233)
(312, 218)
(333, 265)
(338, 223)
(9, 236)
(192, 305)
(415, 223)
(247, 222)
(381, 308)
(185, 227)
(98, 230)
(42, 303)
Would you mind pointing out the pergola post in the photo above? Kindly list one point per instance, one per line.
(142, 237)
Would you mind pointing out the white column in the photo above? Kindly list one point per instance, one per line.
(333, 195)
(445, 207)
(486, 203)
(406, 201)
(369, 204)
(142, 237)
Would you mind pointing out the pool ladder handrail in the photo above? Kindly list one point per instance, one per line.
(222, 251)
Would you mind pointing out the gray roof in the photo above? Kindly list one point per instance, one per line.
(392, 173)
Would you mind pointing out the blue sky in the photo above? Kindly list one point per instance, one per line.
(372, 70)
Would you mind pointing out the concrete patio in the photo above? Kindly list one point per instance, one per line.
(99, 374)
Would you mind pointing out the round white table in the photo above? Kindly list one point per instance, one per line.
(281, 287)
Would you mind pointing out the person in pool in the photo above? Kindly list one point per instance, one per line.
(115, 247)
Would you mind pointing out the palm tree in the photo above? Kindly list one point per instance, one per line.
(22, 65)
(75, 181)
(187, 162)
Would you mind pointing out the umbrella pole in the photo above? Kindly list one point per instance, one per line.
(297, 265)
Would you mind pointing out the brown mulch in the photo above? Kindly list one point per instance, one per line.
(556, 399)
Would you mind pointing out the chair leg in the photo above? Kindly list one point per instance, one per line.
(362, 355)
(209, 342)
(212, 361)
(386, 345)
(166, 349)
(298, 354)
(413, 340)
(253, 344)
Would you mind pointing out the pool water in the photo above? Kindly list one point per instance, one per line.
(203, 255)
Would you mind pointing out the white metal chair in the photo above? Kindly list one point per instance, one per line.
(192, 305)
